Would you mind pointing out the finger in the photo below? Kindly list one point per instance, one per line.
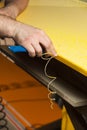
(2, 41)
(36, 45)
(47, 44)
(9, 41)
(30, 49)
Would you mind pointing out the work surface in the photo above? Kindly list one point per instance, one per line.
(48, 18)
(66, 25)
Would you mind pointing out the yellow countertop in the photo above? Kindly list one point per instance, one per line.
(65, 21)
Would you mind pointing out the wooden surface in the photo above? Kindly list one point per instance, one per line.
(66, 25)
(65, 21)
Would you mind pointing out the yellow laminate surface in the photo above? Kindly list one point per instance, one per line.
(65, 21)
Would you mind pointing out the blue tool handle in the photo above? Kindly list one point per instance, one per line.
(17, 48)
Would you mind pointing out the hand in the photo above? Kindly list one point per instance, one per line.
(34, 40)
